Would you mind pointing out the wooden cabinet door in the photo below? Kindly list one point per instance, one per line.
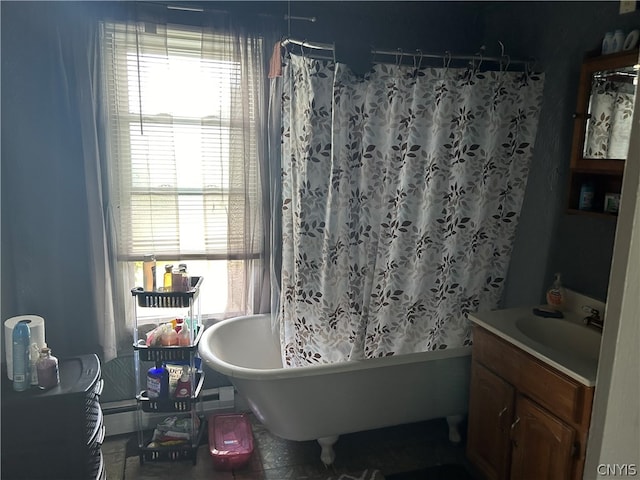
(542, 445)
(490, 413)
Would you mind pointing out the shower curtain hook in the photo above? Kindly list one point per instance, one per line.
(501, 48)
(399, 58)
(420, 57)
(481, 57)
(531, 66)
(446, 60)
(503, 56)
(506, 67)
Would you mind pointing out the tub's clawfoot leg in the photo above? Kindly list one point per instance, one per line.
(327, 455)
(454, 431)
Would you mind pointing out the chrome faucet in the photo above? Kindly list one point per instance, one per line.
(594, 317)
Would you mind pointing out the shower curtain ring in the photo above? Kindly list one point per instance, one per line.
(530, 66)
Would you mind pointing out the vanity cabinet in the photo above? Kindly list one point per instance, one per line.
(542, 444)
(526, 419)
(601, 133)
(490, 416)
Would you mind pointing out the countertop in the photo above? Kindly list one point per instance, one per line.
(503, 324)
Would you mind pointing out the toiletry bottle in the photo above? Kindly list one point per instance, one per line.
(184, 277)
(149, 273)
(179, 324)
(47, 368)
(169, 336)
(166, 284)
(586, 196)
(35, 354)
(607, 43)
(184, 338)
(183, 388)
(555, 294)
(21, 338)
(618, 41)
(158, 381)
(177, 280)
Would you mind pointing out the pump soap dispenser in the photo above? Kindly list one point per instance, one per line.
(555, 294)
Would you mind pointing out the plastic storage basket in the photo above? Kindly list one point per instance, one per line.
(162, 299)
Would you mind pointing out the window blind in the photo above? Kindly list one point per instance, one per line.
(182, 122)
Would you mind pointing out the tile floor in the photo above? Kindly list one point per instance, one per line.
(389, 450)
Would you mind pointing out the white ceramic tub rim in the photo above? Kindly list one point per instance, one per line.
(236, 371)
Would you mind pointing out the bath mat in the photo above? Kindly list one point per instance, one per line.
(437, 472)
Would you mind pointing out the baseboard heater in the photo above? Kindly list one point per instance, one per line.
(120, 417)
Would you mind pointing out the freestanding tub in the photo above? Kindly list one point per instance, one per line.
(320, 402)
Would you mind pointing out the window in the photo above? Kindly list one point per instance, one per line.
(183, 110)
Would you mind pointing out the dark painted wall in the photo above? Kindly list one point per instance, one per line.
(44, 215)
(558, 34)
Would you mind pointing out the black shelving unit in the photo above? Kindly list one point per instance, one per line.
(55, 433)
(150, 411)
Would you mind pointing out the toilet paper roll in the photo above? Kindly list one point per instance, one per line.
(36, 327)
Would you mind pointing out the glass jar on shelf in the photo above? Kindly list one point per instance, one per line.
(47, 368)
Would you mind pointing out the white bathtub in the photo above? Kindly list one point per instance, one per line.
(320, 402)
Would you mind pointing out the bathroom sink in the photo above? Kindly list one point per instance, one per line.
(563, 336)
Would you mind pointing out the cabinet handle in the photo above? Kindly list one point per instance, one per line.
(501, 417)
(514, 425)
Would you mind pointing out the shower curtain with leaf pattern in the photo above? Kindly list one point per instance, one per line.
(401, 193)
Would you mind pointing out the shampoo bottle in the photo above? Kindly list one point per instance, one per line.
(158, 382)
(555, 294)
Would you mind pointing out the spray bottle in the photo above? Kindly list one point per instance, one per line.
(21, 356)
(183, 389)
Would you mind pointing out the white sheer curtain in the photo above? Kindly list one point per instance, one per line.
(187, 113)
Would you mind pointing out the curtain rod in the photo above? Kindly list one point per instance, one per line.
(418, 54)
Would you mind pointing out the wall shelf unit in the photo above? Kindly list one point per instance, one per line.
(598, 159)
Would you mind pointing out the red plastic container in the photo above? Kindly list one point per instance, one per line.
(230, 440)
